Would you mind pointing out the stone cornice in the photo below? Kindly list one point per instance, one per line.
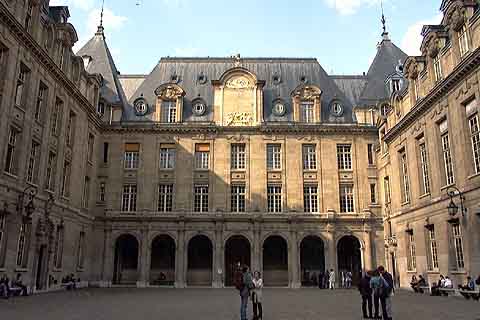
(464, 68)
(25, 39)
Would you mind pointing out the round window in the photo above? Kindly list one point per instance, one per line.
(279, 109)
(140, 107)
(337, 109)
(199, 108)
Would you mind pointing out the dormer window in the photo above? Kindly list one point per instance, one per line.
(384, 108)
(463, 40)
(395, 85)
(101, 108)
(169, 112)
(86, 61)
(437, 68)
(307, 112)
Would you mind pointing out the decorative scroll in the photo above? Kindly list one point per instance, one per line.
(307, 93)
(169, 92)
(239, 83)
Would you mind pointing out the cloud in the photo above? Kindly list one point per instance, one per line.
(349, 7)
(412, 39)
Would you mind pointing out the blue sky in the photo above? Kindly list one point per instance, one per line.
(341, 34)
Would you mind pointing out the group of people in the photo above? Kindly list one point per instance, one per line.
(376, 284)
(327, 279)
(249, 287)
(444, 282)
(8, 288)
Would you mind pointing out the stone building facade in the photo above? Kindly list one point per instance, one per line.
(175, 177)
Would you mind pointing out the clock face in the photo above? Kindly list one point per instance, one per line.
(199, 109)
(141, 107)
(279, 109)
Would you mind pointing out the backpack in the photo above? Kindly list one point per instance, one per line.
(238, 281)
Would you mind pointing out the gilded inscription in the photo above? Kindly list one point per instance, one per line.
(239, 119)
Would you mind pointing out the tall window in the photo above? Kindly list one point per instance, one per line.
(132, 155)
(22, 250)
(307, 112)
(86, 192)
(411, 254)
(55, 121)
(432, 248)
(201, 198)
(61, 55)
(102, 191)
(274, 157)
(81, 250)
(447, 155)
(238, 155)
(416, 89)
(91, 145)
(50, 172)
(21, 85)
(129, 198)
(169, 112)
(41, 98)
(167, 156)
(471, 109)
(346, 198)
(458, 243)
(370, 154)
(373, 193)
(404, 176)
(383, 143)
(424, 167)
(101, 108)
(67, 169)
(11, 156)
(386, 189)
(274, 198)
(344, 156)
(310, 198)
(105, 152)
(237, 198)
(28, 16)
(58, 252)
(70, 128)
(33, 160)
(437, 68)
(165, 197)
(309, 157)
(202, 156)
(395, 85)
(463, 40)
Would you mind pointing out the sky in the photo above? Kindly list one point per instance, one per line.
(341, 34)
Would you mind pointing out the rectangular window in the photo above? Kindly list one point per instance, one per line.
(370, 154)
(56, 113)
(61, 55)
(22, 245)
(404, 177)
(129, 198)
(165, 197)
(81, 250)
(274, 198)
(71, 129)
(169, 112)
(33, 162)
(200, 198)
(101, 108)
(383, 142)
(309, 157)
(373, 193)
(386, 189)
(412, 255)
(416, 89)
(238, 154)
(458, 243)
(58, 251)
(105, 152)
(447, 159)
(437, 68)
(20, 88)
(41, 100)
(274, 157)
(91, 145)
(11, 156)
(50, 172)
(86, 193)
(202, 156)
(474, 133)
(424, 168)
(432, 248)
(307, 112)
(346, 199)
(67, 169)
(310, 199)
(132, 155)
(167, 156)
(102, 192)
(463, 40)
(237, 198)
(395, 85)
(344, 156)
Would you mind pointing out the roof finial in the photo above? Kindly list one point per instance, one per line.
(384, 23)
(100, 26)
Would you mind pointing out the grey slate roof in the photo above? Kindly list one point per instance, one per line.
(352, 86)
(290, 71)
(102, 63)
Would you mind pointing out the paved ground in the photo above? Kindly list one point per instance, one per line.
(222, 304)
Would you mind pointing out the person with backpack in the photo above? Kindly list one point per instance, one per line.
(376, 284)
(243, 283)
(386, 296)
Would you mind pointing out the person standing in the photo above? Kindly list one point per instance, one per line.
(257, 296)
(348, 277)
(18, 283)
(4, 287)
(376, 284)
(386, 297)
(320, 280)
(244, 286)
(331, 279)
(366, 293)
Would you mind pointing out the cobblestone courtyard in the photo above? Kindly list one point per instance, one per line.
(203, 304)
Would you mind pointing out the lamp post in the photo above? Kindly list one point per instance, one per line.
(452, 207)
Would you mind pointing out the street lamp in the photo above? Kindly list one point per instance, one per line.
(452, 207)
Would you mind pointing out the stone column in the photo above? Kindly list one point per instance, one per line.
(332, 252)
(218, 256)
(293, 260)
(256, 247)
(144, 260)
(367, 252)
(180, 259)
(108, 253)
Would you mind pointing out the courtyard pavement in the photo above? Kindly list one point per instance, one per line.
(223, 304)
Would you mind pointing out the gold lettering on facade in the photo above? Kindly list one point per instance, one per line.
(238, 83)
(239, 119)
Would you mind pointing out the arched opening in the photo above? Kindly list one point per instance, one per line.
(162, 263)
(200, 260)
(312, 260)
(275, 262)
(237, 251)
(349, 258)
(126, 260)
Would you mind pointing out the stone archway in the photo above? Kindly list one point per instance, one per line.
(162, 261)
(349, 257)
(126, 260)
(312, 260)
(275, 261)
(237, 251)
(200, 261)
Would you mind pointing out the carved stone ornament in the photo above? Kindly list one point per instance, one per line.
(239, 83)
(169, 92)
(433, 47)
(456, 17)
(239, 119)
(466, 86)
(308, 93)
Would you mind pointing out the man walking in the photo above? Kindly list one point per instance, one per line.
(366, 293)
(386, 297)
(331, 279)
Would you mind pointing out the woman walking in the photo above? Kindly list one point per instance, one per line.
(257, 296)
